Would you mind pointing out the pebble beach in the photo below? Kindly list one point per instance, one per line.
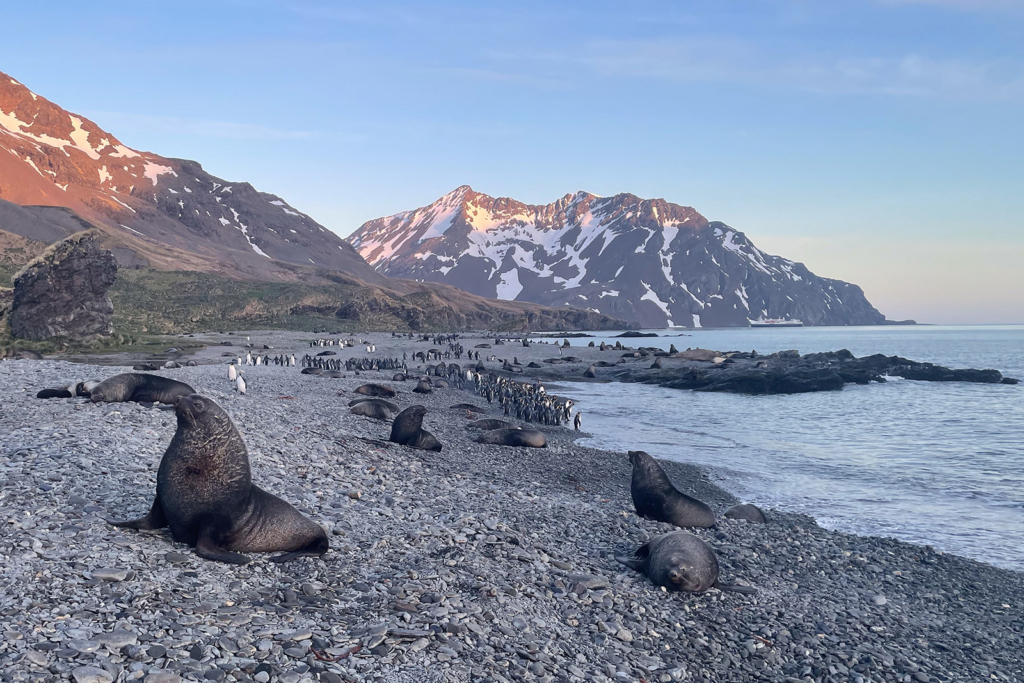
(478, 563)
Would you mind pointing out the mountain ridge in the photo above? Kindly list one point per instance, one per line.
(647, 261)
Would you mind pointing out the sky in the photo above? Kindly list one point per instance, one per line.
(876, 141)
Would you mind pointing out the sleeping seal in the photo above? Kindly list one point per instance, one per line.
(378, 411)
(654, 496)
(133, 386)
(387, 404)
(205, 494)
(407, 430)
(746, 511)
(423, 387)
(376, 390)
(490, 424)
(680, 561)
(467, 406)
(527, 438)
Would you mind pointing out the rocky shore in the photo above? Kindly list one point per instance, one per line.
(478, 563)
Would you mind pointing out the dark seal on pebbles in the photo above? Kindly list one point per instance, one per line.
(133, 386)
(376, 390)
(746, 511)
(378, 411)
(527, 438)
(680, 561)
(387, 404)
(654, 496)
(467, 406)
(490, 424)
(407, 430)
(423, 387)
(205, 494)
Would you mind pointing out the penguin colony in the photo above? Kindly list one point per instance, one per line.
(675, 561)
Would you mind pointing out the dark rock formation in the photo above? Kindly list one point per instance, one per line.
(63, 292)
(787, 372)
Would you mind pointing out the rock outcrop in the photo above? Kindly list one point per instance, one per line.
(63, 292)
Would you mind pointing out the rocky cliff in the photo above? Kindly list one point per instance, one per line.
(63, 292)
(643, 260)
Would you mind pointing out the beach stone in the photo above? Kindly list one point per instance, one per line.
(110, 574)
(161, 677)
(91, 674)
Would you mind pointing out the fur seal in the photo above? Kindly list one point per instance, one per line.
(589, 372)
(312, 371)
(378, 411)
(399, 377)
(680, 561)
(422, 387)
(145, 367)
(528, 438)
(467, 406)
(133, 386)
(407, 430)
(654, 496)
(387, 404)
(205, 494)
(746, 511)
(490, 425)
(441, 384)
(80, 389)
(376, 390)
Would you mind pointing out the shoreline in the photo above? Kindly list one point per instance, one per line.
(495, 536)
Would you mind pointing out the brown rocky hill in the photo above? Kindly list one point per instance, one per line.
(60, 173)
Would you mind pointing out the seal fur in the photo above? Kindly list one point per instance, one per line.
(205, 494)
(655, 497)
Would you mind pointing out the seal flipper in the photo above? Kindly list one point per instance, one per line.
(640, 561)
(735, 588)
(315, 549)
(208, 548)
(156, 519)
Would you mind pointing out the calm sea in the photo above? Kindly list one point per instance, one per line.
(930, 463)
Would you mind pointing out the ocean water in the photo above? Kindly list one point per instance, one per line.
(930, 463)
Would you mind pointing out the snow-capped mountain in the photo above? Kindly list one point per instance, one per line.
(641, 260)
(166, 212)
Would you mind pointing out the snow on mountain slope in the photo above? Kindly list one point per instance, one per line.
(642, 260)
(169, 212)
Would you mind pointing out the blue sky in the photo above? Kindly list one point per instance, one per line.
(878, 141)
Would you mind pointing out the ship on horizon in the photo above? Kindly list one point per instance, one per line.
(776, 322)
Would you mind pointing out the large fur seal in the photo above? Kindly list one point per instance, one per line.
(407, 430)
(680, 561)
(133, 386)
(746, 511)
(205, 494)
(528, 438)
(376, 390)
(654, 496)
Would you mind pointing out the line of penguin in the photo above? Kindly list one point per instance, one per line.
(352, 364)
(529, 402)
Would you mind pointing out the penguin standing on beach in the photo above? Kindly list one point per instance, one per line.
(232, 373)
(577, 421)
(240, 385)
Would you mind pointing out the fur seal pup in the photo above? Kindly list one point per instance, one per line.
(655, 497)
(441, 384)
(80, 389)
(490, 425)
(145, 367)
(680, 561)
(133, 386)
(375, 390)
(528, 438)
(589, 372)
(205, 494)
(746, 511)
(407, 430)
(312, 371)
(387, 404)
(399, 377)
(378, 411)
(423, 387)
